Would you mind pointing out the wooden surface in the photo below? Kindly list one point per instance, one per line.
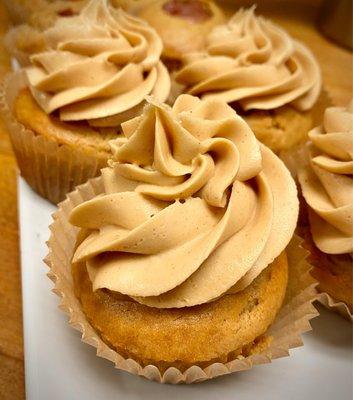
(11, 342)
(336, 64)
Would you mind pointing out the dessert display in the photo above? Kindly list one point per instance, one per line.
(94, 74)
(162, 129)
(327, 186)
(182, 25)
(271, 79)
(164, 250)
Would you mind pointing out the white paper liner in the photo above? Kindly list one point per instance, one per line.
(292, 320)
(51, 169)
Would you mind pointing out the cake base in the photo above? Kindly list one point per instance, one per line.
(228, 327)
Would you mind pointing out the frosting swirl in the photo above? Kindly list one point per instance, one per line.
(255, 63)
(99, 66)
(327, 181)
(194, 207)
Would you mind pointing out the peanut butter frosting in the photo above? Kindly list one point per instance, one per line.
(194, 207)
(99, 66)
(327, 181)
(253, 62)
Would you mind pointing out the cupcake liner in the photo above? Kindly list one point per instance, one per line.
(51, 169)
(338, 307)
(324, 298)
(292, 320)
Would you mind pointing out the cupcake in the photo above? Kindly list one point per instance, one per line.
(22, 41)
(72, 99)
(272, 80)
(45, 17)
(182, 25)
(186, 239)
(327, 186)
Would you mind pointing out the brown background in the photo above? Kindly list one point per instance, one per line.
(299, 20)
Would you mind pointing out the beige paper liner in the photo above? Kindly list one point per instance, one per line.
(337, 306)
(292, 320)
(51, 169)
(324, 298)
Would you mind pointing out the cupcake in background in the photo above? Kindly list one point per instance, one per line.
(327, 186)
(272, 80)
(43, 13)
(27, 39)
(182, 25)
(44, 18)
(64, 108)
(22, 41)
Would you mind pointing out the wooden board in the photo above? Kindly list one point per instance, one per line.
(336, 64)
(11, 338)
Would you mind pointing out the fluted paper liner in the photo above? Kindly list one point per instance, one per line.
(324, 298)
(292, 320)
(337, 306)
(51, 169)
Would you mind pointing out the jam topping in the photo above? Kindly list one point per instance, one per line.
(193, 10)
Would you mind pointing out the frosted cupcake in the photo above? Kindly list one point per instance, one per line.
(327, 185)
(22, 41)
(95, 73)
(270, 78)
(187, 239)
(182, 25)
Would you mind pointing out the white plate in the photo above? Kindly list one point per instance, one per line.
(58, 366)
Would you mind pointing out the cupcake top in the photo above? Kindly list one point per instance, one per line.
(182, 24)
(253, 62)
(327, 181)
(99, 66)
(194, 207)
